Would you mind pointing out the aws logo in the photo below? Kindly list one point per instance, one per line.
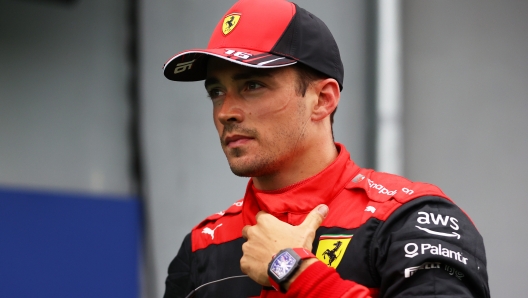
(230, 22)
(428, 218)
(331, 249)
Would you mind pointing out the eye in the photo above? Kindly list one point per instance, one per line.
(214, 93)
(253, 85)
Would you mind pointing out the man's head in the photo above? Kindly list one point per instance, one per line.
(274, 75)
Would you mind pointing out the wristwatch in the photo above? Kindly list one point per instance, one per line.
(284, 264)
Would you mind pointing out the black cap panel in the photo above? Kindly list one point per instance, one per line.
(309, 41)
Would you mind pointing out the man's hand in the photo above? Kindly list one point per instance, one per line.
(270, 235)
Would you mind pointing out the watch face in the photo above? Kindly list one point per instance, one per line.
(282, 264)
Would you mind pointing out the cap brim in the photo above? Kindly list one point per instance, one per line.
(191, 65)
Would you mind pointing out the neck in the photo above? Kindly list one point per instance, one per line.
(300, 166)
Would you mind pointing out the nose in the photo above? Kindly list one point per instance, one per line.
(230, 110)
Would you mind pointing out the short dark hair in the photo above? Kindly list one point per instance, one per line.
(306, 76)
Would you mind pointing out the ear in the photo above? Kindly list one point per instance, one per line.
(328, 98)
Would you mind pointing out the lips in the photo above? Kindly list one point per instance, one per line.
(236, 140)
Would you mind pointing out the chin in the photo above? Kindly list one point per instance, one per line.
(245, 168)
(240, 173)
(240, 166)
(242, 169)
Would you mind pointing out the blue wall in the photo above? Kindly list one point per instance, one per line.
(68, 245)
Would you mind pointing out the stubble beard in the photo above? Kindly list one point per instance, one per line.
(268, 160)
(259, 165)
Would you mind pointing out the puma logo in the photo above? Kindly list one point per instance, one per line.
(370, 209)
(208, 230)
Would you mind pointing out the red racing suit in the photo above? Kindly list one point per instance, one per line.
(384, 236)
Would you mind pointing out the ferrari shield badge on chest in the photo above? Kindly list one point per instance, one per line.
(332, 248)
(230, 22)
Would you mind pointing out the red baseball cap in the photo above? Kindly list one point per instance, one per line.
(263, 34)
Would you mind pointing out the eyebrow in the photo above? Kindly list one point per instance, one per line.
(210, 81)
(253, 73)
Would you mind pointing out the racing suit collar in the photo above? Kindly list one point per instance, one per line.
(292, 203)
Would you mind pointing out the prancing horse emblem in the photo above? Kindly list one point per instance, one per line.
(332, 248)
(230, 22)
(332, 256)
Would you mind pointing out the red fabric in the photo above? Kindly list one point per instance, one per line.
(345, 188)
(293, 203)
(337, 187)
(303, 253)
(319, 280)
(219, 228)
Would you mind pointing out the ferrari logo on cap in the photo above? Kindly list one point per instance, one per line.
(230, 22)
(331, 249)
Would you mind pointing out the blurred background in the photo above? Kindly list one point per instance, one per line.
(105, 165)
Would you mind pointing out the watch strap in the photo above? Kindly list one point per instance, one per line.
(274, 284)
(302, 254)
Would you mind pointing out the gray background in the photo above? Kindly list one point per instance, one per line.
(64, 113)
(63, 100)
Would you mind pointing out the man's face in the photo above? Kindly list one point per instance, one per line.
(259, 116)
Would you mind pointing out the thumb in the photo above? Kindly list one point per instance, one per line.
(315, 217)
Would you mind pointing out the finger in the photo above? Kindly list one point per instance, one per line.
(315, 217)
(243, 264)
(245, 232)
(259, 214)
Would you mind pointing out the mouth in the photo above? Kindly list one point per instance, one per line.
(236, 140)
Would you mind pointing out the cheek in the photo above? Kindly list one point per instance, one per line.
(274, 108)
(218, 125)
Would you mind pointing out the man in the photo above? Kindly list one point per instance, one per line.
(311, 223)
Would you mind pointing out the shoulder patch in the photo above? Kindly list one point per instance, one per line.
(381, 187)
(386, 192)
(232, 210)
(218, 228)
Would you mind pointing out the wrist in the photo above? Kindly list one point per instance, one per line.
(286, 265)
(302, 267)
